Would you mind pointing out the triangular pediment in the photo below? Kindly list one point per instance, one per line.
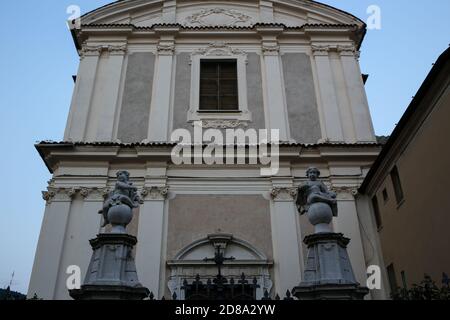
(145, 13)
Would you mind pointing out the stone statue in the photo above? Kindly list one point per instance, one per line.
(314, 199)
(118, 207)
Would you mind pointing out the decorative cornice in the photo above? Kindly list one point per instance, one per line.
(236, 17)
(155, 193)
(283, 193)
(223, 124)
(270, 50)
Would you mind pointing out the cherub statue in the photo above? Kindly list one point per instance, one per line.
(314, 198)
(124, 193)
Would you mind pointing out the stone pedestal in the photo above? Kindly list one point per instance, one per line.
(112, 272)
(328, 272)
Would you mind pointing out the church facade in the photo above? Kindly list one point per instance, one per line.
(150, 67)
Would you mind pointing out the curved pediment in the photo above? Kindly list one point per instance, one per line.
(146, 13)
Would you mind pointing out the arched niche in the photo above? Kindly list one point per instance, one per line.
(190, 262)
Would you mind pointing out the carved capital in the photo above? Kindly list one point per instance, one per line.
(166, 49)
(344, 192)
(68, 194)
(155, 193)
(318, 50)
(270, 50)
(348, 51)
(283, 193)
(90, 51)
(117, 50)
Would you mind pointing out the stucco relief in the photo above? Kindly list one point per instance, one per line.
(219, 48)
(218, 17)
(223, 124)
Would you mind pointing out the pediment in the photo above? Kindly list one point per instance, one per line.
(144, 13)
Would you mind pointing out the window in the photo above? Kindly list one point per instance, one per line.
(218, 85)
(376, 211)
(392, 278)
(397, 185)
(385, 195)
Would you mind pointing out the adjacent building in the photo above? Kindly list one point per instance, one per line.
(407, 186)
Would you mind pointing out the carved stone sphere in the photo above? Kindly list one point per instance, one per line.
(320, 215)
(120, 216)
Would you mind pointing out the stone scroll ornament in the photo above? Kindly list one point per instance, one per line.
(118, 207)
(314, 199)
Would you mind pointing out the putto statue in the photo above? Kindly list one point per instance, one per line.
(118, 207)
(314, 199)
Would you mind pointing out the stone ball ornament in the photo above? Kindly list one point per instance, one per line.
(319, 204)
(119, 204)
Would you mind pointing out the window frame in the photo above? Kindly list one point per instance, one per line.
(397, 185)
(218, 62)
(219, 51)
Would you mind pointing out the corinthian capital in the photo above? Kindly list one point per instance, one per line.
(155, 193)
(283, 193)
(319, 50)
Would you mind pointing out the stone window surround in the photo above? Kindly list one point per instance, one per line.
(216, 51)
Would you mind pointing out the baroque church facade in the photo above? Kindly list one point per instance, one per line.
(149, 67)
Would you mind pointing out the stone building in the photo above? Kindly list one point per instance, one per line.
(407, 186)
(146, 68)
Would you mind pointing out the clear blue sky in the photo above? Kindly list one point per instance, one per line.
(38, 59)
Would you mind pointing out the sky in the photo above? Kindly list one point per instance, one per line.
(38, 60)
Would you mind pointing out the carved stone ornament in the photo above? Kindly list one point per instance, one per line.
(339, 190)
(270, 50)
(88, 50)
(166, 49)
(218, 16)
(224, 124)
(68, 194)
(219, 48)
(319, 50)
(155, 193)
(283, 193)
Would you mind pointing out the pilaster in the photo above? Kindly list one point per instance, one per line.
(275, 100)
(162, 90)
(356, 94)
(149, 250)
(328, 96)
(288, 262)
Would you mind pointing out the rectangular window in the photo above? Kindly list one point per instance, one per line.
(397, 185)
(376, 211)
(392, 278)
(385, 195)
(218, 85)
